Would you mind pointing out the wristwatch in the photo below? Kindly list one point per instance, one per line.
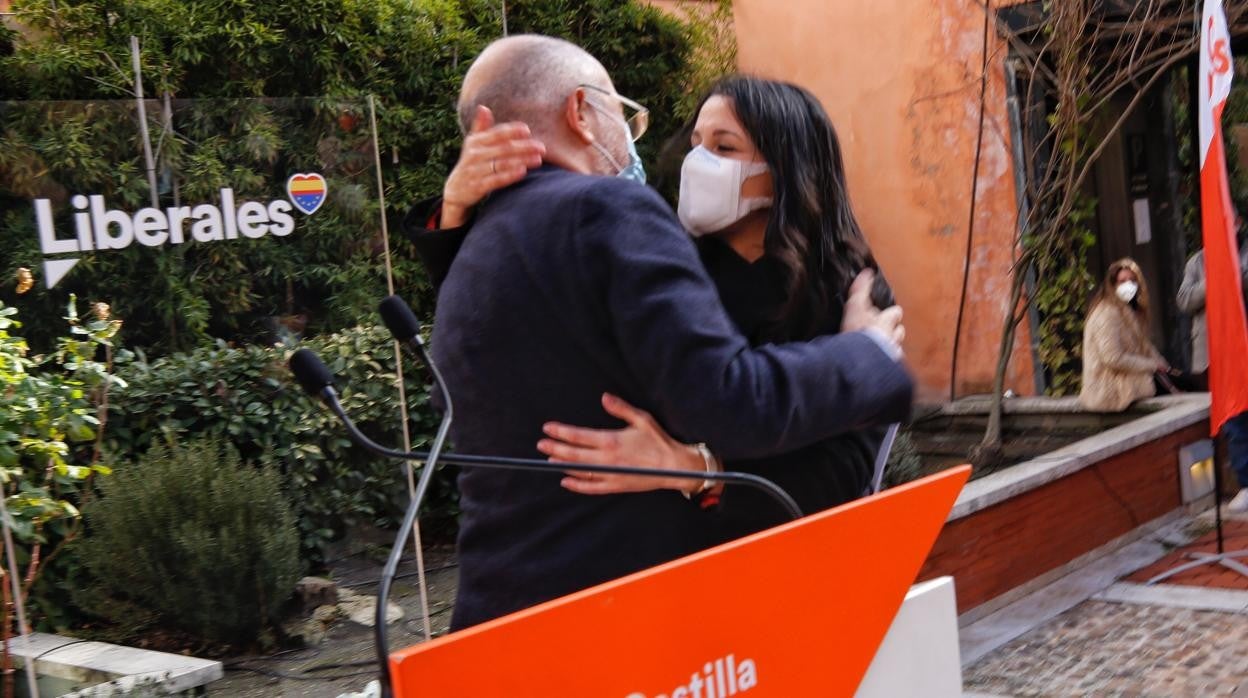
(712, 466)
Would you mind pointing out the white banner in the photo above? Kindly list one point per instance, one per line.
(1216, 70)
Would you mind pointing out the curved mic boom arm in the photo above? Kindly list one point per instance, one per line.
(506, 463)
(390, 571)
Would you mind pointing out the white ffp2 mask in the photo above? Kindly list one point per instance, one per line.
(710, 191)
(1126, 291)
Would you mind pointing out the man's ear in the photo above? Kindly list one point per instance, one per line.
(576, 113)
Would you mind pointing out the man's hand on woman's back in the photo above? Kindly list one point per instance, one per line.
(861, 315)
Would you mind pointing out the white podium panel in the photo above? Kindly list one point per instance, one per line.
(919, 656)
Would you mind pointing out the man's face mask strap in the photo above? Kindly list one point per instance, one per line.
(634, 170)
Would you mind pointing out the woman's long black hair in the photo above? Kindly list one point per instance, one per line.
(812, 232)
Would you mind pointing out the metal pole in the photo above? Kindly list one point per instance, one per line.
(1217, 495)
(398, 368)
(147, 139)
(167, 125)
(1193, 92)
(22, 627)
(1015, 110)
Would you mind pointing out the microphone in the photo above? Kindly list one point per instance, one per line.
(400, 320)
(311, 374)
(317, 380)
(404, 327)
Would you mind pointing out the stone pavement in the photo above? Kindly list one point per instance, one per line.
(1186, 638)
(1114, 649)
(344, 660)
(1235, 537)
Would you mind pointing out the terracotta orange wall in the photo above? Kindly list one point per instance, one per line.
(900, 78)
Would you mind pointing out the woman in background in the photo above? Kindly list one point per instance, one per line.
(1119, 360)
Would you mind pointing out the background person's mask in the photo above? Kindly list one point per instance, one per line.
(1126, 291)
(710, 191)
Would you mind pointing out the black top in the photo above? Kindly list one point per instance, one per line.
(569, 286)
(820, 476)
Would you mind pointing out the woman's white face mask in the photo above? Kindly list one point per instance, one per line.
(710, 191)
(1126, 291)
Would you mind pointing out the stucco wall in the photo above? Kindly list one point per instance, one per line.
(900, 78)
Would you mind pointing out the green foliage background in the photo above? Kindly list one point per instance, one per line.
(410, 55)
(260, 89)
(243, 395)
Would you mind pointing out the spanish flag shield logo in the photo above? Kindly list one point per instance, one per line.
(307, 191)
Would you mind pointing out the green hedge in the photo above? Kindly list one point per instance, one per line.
(192, 539)
(410, 54)
(246, 395)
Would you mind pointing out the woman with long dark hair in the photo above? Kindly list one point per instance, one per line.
(804, 230)
(1119, 360)
(763, 190)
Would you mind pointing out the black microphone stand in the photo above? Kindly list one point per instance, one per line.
(380, 640)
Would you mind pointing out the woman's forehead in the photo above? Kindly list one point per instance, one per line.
(717, 113)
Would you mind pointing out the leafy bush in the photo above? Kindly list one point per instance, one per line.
(246, 395)
(193, 539)
(48, 422)
(49, 445)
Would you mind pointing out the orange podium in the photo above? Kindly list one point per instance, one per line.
(797, 610)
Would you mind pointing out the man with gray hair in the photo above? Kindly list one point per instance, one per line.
(575, 282)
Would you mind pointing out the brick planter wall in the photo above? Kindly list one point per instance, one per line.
(994, 549)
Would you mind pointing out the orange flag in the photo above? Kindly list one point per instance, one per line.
(1224, 300)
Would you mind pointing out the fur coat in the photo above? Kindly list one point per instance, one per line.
(1118, 358)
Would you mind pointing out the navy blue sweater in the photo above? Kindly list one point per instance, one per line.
(570, 286)
(819, 476)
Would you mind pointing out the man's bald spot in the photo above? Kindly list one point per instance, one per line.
(526, 78)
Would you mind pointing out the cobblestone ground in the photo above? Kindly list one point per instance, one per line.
(344, 660)
(1109, 649)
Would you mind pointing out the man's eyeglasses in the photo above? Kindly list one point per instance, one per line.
(639, 118)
